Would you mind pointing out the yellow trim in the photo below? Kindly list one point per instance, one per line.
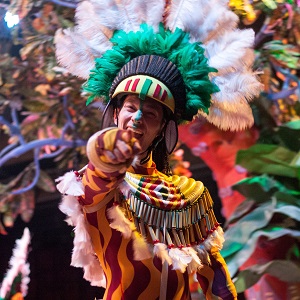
(168, 101)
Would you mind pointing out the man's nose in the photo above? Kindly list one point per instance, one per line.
(137, 117)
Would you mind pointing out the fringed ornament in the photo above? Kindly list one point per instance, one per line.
(83, 255)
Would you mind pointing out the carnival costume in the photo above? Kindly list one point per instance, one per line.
(150, 229)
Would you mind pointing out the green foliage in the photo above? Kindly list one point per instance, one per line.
(271, 210)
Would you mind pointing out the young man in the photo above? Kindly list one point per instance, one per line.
(148, 228)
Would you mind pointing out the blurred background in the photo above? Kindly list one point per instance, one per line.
(253, 175)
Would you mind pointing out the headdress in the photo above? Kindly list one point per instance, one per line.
(197, 39)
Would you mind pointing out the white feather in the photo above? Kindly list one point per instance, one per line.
(70, 206)
(70, 184)
(89, 23)
(195, 261)
(94, 273)
(237, 120)
(180, 259)
(228, 51)
(17, 265)
(160, 250)
(140, 247)
(83, 254)
(124, 15)
(201, 18)
(154, 10)
(74, 52)
(120, 222)
(236, 88)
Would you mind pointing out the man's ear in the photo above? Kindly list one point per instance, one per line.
(116, 115)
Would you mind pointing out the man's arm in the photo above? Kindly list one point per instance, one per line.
(110, 153)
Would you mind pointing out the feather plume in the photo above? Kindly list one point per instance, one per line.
(89, 24)
(154, 11)
(125, 15)
(228, 51)
(236, 88)
(160, 250)
(80, 60)
(201, 18)
(70, 184)
(120, 222)
(180, 259)
(240, 119)
(140, 247)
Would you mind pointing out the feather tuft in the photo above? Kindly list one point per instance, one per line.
(120, 222)
(160, 250)
(70, 184)
(140, 247)
(195, 261)
(180, 259)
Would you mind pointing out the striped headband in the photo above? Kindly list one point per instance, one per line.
(146, 86)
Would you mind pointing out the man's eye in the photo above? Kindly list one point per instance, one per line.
(151, 114)
(130, 108)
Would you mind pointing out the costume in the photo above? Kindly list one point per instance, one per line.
(149, 229)
(167, 226)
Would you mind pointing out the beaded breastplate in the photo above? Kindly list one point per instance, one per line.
(173, 210)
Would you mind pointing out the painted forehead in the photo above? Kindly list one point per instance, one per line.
(148, 102)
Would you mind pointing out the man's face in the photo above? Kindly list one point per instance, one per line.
(146, 126)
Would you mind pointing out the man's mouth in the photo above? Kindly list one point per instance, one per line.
(136, 133)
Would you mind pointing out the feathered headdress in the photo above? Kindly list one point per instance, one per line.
(200, 37)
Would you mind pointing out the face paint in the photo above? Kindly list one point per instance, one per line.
(138, 116)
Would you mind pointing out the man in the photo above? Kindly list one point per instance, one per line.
(148, 228)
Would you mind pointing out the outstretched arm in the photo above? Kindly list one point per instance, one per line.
(110, 153)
